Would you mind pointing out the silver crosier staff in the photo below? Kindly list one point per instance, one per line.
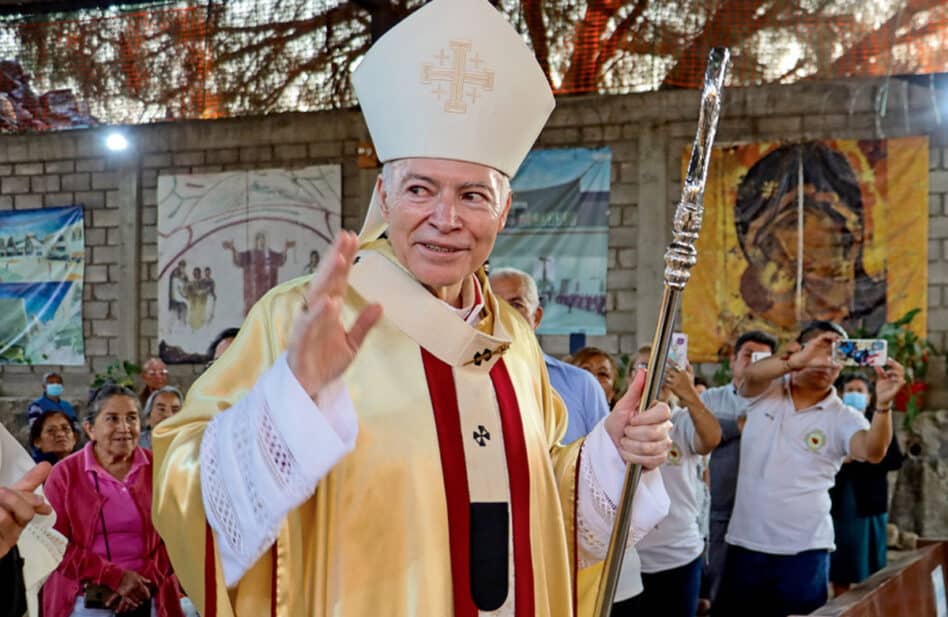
(680, 256)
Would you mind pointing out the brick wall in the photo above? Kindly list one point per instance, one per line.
(120, 309)
(646, 133)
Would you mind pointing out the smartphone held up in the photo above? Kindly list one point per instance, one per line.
(860, 352)
(678, 350)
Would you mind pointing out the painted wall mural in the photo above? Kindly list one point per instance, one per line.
(833, 230)
(225, 239)
(42, 259)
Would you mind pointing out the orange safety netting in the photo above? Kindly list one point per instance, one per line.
(245, 58)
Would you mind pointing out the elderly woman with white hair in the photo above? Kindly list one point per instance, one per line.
(161, 405)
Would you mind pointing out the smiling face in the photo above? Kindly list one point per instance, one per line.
(116, 428)
(443, 218)
(56, 436)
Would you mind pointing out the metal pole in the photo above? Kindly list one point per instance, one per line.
(680, 256)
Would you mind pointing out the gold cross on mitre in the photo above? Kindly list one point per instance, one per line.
(457, 76)
(475, 92)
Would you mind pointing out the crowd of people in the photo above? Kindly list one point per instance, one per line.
(767, 475)
(96, 472)
(387, 437)
(777, 479)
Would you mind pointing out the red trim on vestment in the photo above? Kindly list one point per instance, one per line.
(518, 471)
(447, 417)
(273, 583)
(478, 299)
(210, 576)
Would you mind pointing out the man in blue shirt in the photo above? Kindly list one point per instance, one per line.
(51, 399)
(585, 401)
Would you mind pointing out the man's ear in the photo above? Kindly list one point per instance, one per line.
(383, 197)
(537, 317)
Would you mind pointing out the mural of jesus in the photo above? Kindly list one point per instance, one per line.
(260, 266)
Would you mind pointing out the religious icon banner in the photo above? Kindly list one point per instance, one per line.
(225, 239)
(558, 232)
(847, 244)
(42, 259)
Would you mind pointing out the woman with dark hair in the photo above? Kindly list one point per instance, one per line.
(53, 437)
(115, 563)
(220, 344)
(860, 500)
(835, 285)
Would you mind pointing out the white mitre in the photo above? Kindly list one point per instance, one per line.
(453, 80)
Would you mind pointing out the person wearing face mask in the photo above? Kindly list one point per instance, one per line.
(860, 501)
(51, 400)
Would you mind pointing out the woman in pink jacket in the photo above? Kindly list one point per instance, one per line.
(115, 563)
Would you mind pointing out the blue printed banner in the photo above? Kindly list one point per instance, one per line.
(42, 257)
(558, 232)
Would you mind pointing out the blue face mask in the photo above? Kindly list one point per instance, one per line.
(857, 400)
(54, 389)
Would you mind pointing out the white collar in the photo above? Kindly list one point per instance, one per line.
(472, 301)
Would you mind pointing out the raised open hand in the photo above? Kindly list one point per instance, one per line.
(321, 348)
(890, 380)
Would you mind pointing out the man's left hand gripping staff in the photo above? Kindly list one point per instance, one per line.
(640, 438)
(321, 348)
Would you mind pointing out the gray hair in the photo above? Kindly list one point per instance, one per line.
(46, 376)
(103, 395)
(531, 294)
(391, 171)
(154, 395)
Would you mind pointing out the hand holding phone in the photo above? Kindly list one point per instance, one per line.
(860, 352)
(757, 356)
(815, 353)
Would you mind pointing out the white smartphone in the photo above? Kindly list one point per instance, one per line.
(757, 356)
(678, 350)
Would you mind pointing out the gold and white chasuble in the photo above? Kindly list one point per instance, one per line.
(454, 497)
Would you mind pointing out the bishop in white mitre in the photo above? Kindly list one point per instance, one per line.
(382, 437)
